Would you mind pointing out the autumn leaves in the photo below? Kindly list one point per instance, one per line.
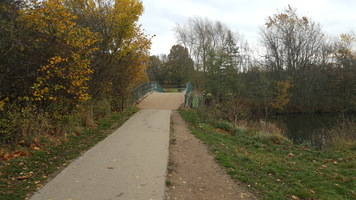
(61, 53)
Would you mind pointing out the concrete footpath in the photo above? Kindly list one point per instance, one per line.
(130, 164)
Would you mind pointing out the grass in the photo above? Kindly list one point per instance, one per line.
(173, 90)
(273, 167)
(24, 174)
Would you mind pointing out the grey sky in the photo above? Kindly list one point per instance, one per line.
(244, 16)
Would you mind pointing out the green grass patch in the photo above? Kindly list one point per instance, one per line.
(23, 175)
(273, 167)
(173, 90)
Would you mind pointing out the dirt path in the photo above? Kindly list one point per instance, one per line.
(193, 171)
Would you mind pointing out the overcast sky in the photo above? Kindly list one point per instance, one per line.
(244, 16)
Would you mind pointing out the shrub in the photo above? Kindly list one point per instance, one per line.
(224, 125)
(26, 122)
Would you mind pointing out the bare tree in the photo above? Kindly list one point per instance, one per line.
(291, 42)
(203, 36)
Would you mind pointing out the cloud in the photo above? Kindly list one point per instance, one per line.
(244, 16)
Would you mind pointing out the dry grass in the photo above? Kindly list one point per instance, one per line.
(342, 135)
(260, 126)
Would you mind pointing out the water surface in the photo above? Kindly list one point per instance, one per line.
(306, 128)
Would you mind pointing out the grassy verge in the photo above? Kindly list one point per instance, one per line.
(30, 170)
(273, 167)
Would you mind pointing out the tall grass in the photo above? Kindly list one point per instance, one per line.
(23, 123)
(342, 135)
(28, 122)
(265, 131)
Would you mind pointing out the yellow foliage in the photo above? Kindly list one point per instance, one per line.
(2, 103)
(282, 97)
(122, 37)
(65, 76)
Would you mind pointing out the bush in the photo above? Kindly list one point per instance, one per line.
(224, 125)
(94, 110)
(26, 122)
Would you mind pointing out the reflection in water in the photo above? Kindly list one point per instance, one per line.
(307, 128)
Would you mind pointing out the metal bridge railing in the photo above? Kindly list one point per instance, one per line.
(139, 92)
(187, 99)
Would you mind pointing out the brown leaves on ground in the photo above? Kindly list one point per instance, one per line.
(223, 131)
(12, 155)
(22, 151)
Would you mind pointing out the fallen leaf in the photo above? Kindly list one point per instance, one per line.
(36, 140)
(291, 155)
(110, 167)
(295, 197)
(24, 177)
(312, 191)
(6, 157)
(34, 146)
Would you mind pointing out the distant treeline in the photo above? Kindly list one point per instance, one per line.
(296, 67)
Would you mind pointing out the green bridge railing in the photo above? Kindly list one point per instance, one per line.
(187, 99)
(140, 91)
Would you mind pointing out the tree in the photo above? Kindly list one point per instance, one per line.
(282, 97)
(13, 72)
(155, 70)
(180, 65)
(345, 76)
(202, 36)
(64, 53)
(345, 51)
(295, 47)
(291, 42)
(123, 48)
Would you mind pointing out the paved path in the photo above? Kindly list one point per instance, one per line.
(130, 164)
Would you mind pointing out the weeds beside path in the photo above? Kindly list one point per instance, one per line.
(22, 175)
(275, 168)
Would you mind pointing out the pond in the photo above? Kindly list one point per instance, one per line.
(306, 128)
